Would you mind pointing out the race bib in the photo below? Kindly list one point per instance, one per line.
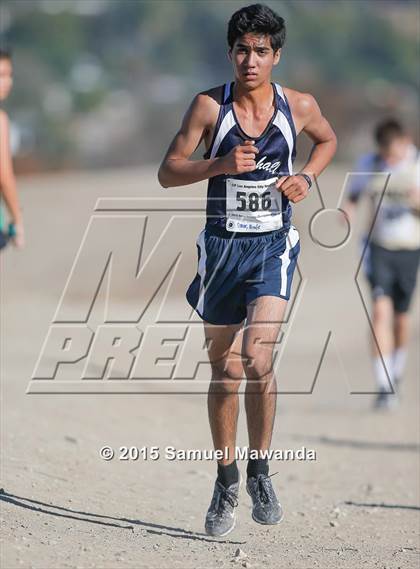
(253, 205)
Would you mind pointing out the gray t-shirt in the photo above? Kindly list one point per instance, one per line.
(397, 225)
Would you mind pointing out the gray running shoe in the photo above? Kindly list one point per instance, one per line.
(385, 401)
(266, 508)
(220, 518)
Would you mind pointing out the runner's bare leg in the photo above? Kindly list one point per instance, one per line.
(263, 324)
(224, 348)
(401, 329)
(382, 320)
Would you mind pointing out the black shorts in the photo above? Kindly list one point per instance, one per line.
(392, 273)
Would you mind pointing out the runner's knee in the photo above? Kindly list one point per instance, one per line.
(227, 369)
(258, 366)
(382, 309)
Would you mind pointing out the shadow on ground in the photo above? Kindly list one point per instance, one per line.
(121, 523)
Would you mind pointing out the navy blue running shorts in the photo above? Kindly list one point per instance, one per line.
(232, 272)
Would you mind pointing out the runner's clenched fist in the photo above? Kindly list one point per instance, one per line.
(295, 188)
(241, 158)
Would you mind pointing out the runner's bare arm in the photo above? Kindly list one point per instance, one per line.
(178, 170)
(309, 119)
(349, 210)
(7, 179)
(316, 126)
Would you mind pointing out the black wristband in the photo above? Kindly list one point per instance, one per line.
(307, 178)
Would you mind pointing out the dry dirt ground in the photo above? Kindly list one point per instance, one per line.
(62, 506)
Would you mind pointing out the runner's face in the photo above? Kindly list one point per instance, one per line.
(396, 150)
(6, 78)
(253, 58)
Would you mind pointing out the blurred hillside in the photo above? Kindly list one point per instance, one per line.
(103, 83)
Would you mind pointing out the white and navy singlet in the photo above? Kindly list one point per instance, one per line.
(249, 202)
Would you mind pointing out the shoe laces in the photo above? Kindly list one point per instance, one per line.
(264, 488)
(226, 495)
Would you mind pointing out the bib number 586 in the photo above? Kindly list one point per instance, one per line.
(252, 201)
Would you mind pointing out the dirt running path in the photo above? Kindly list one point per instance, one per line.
(356, 505)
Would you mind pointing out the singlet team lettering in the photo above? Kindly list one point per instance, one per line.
(249, 202)
(268, 166)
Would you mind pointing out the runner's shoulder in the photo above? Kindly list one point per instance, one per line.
(301, 104)
(206, 104)
(212, 96)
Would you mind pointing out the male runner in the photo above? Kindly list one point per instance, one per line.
(8, 190)
(248, 249)
(393, 250)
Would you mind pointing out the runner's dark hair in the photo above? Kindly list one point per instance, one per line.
(257, 19)
(5, 53)
(387, 130)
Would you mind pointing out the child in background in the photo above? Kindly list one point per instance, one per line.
(393, 253)
(8, 191)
